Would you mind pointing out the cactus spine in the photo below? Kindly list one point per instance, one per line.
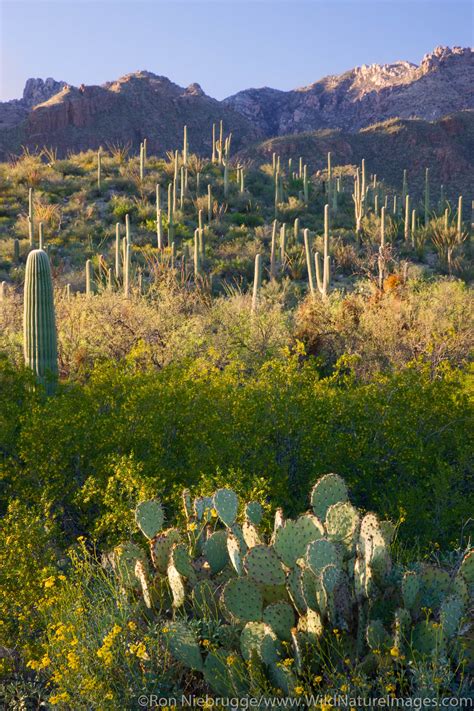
(39, 326)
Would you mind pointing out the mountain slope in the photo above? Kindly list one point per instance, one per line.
(446, 147)
(143, 104)
(443, 83)
(136, 106)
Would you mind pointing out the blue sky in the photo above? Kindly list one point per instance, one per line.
(225, 45)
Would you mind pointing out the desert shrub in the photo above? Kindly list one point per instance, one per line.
(432, 321)
(98, 645)
(398, 440)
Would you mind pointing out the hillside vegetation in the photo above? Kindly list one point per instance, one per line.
(237, 329)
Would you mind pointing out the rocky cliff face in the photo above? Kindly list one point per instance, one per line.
(125, 111)
(143, 104)
(443, 83)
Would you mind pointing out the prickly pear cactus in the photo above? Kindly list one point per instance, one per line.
(268, 601)
(150, 517)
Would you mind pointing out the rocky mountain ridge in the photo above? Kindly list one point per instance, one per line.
(142, 104)
(443, 83)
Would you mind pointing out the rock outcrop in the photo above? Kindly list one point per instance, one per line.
(143, 104)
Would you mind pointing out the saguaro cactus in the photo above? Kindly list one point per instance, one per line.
(323, 283)
(359, 197)
(99, 169)
(257, 281)
(31, 218)
(309, 261)
(39, 325)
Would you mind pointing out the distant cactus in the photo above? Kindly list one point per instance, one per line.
(257, 281)
(31, 218)
(323, 281)
(39, 326)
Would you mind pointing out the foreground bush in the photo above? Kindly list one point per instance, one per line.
(317, 607)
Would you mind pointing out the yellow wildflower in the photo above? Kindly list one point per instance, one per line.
(231, 659)
(132, 625)
(344, 688)
(73, 661)
(299, 690)
(318, 679)
(192, 526)
(390, 687)
(139, 650)
(49, 582)
(395, 652)
(287, 662)
(63, 697)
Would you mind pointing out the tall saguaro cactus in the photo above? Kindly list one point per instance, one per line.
(39, 324)
(31, 218)
(323, 283)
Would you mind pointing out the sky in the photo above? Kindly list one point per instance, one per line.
(224, 45)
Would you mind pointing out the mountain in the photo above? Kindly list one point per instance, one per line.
(445, 146)
(135, 106)
(443, 83)
(142, 104)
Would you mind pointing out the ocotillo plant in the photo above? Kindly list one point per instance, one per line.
(323, 283)
(257, 281)
(39, 325)
(31, 218)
